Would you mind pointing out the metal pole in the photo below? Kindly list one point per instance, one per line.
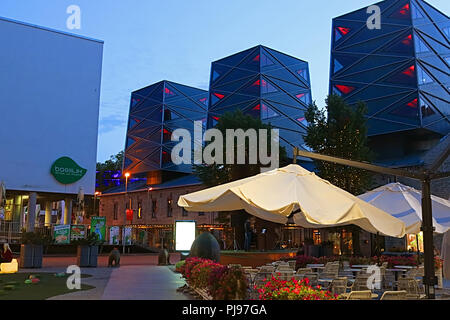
(125, 220)
(429, 279)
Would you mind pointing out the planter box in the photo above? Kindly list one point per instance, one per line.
(31, 256)
(87, 256)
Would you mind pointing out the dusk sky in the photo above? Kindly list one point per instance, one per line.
(151, 40)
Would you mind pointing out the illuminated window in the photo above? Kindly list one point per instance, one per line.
(215, 97)
(317, 237)
(169, 93)
(267, 113)
(167, 135)
(402, 13)
(406, 76)
(409, 110)
(139, 210)
(303, 97)
(423, 77)
(409, 72)
(267, 87)
(345, 89)
(340, 32)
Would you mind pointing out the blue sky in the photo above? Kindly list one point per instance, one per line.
(151, 40)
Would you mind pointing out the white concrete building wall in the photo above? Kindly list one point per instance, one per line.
(49, 106)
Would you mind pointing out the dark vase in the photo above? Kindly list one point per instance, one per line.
(206, 246)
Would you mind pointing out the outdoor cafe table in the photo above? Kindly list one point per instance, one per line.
(404, 267)
(397, 271)
(361, 266)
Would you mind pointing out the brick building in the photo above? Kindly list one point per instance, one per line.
(155, 210)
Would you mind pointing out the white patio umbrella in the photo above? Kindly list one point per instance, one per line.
(405, 203)
(276, 194)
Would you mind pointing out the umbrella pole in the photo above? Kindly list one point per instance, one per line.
(429, 279)
(418, 248)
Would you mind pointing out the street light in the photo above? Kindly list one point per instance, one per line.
(97, 193)
(127, 175)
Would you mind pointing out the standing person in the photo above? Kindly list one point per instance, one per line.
(248, 234)
(6, 254)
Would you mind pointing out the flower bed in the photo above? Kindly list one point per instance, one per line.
(218, 281)
(276, 289)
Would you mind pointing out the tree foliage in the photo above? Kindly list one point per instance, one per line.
(216, 174)
(340, 131)
(114, 163)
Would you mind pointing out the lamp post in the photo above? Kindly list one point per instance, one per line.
(127, 175)
(97, 193)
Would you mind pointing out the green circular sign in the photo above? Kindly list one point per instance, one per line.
(67, 171)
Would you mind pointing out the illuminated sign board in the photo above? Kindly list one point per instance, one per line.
(184, 235)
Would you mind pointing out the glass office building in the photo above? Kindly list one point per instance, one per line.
(401, 71)
(264, 83)
(155, 112)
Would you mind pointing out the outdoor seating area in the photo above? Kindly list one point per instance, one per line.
(356, 285)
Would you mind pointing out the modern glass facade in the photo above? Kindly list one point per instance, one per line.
(400, 71)
(155, 112)
(263, 83)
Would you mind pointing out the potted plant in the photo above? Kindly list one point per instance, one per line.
(87, 251)
(32, 249)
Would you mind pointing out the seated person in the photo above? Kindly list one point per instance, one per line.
(6, 254)
(114, 256)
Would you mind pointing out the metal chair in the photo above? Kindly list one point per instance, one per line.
(394, 295)
(411, 287)
(360, 295)
(338, 286)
